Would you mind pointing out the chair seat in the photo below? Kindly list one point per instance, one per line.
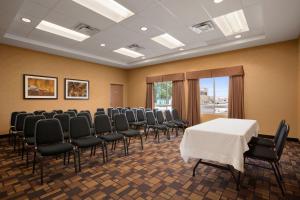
(180, 123)
(137, 123)
(261, 152)
(112, 137)
(130, 133)
(262, 142)
(29, 141)
(87, 141)
(170, 124)
(161, 126)
(55, 149)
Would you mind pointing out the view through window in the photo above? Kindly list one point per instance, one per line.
(214, 95)
(163, 95)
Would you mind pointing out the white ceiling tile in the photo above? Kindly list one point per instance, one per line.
(32, 9)
(45, 3)
(215, 10)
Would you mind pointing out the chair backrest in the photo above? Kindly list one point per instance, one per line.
(79, 127)
(100, 109)
(19, 124)
(74, 110)
(140, 115)
(49, 115)
(155, 111)
(123, 110)
(102, 124)
(120, 109)
(109, 112)
(29, 125)
(175, 114)
(168, 115)
(150, 118)
(64, 120)
(39, 112)
(148, 109)
(88, 117)
(134, 111)
(85, 111)
(121, 123)
(48, 131)
(99, 113)
(160, 117)
(130, 116)
(71, 113)
(282, 123)
(279, 146)
(114, 112)
(13, 117)
(58, 111)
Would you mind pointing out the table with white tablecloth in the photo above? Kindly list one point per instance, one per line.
(221, 140)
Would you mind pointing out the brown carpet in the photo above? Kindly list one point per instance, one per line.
(158, 172)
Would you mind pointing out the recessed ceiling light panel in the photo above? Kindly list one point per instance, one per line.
(168, 41)
(61, 31)
(26, 20)
(232, 23)
(128, 52)
(237, 36)
(144, 28)
(218, 1)
(107, 8)
(102, 45)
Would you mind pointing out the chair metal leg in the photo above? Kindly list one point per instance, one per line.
(64, 158)
(125, 148)
(194, 170)
(79, 164)
(103, 153)
(278, 171)
(92, 148)
(69, 157)
(277, 179)
(106, 153)
(168, 134)
(23, 150)
(142, 142)
(34, 161)
(157, 135)
(75, 163)
(41, 168)
(15, 141)
(27, 156)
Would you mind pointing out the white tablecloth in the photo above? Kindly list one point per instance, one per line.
(221, 140)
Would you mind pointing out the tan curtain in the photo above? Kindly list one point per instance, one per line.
(178, 98)
(236, 97)
(149, 95)
(193, 114)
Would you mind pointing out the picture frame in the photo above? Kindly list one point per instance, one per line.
(76, 89)
(40, 87)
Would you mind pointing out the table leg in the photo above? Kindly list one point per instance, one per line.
(196, 166)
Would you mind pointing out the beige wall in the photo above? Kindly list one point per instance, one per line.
(270, 77)
(16, 61)
(298, 87)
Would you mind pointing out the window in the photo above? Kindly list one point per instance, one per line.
(163, 95)
(214, 95)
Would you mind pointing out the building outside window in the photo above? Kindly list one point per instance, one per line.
(214, 95)
(163, 95)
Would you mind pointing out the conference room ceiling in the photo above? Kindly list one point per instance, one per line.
(268, 21)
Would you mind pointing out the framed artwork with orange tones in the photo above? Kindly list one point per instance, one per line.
(40, 87)
(76, 89)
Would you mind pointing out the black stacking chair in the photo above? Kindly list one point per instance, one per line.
(12, 128)
(180, 122)
(120, 109)
(170, 123)
(148, 109)
(74, 110)
(152, 124)
(64, 120)
(71, 113)
(104, 131)
(132, 120)
(18, 132)
(161, 120)
(170, 119)
(100, 110)
(270, 155)
(85, 111)
(49, 141)
(265, 141)
(29, 129)
(122, 127)
(39, 112)
(81, 137)
(109, 112)
(58, 111)
(99, 113)
(89, 118)
(49, 115)
(113, 113)
(134, 111)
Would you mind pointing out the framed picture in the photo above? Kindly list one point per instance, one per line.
(76, 89)
(39, 87)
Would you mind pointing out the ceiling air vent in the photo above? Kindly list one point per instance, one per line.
(203, 27)
(135, 47)
(86, 29)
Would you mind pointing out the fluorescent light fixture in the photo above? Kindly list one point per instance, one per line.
(168, 41)
(232, 23)
(237, 36)
(26, 20)
(61, 31)
(181, 49)
(108, 8)
(102, 45)
(128, 52)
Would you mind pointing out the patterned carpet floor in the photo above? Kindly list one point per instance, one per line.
(157, 172)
